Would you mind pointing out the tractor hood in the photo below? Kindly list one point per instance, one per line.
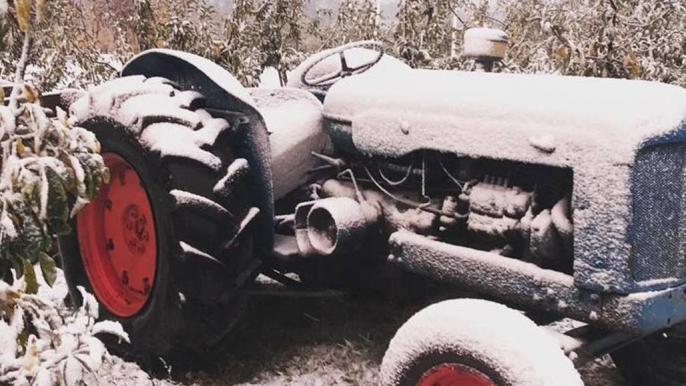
(533, 118)
(622, 139)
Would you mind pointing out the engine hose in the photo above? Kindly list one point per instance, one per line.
(411, 203)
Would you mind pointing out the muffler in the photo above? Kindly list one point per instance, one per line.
(329, 226)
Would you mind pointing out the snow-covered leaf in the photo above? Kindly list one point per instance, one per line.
(111, 328)
(72, 372)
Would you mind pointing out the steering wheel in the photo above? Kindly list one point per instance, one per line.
(327, 80)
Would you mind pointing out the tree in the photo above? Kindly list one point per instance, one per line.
(423, 32)
(634, 39)
(357, 20)
(67, 52)
(261, 34)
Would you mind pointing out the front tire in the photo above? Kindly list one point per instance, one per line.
(166, 247)
(474, 342)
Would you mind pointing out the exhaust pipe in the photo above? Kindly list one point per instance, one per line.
(329, 226)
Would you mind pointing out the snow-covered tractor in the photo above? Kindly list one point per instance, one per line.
(558, 195)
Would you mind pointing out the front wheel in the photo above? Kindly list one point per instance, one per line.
(475, 343)
(166, 246)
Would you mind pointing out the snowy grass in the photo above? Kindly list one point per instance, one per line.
(289, 341)
(305, 341)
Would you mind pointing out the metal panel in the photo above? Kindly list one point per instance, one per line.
(658, 210)
(529, 286)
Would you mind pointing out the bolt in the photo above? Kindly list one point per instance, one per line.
(110, 245)
(108, 204)
(124, 277)
(405, 127)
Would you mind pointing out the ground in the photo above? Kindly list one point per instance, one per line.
(296, 339)
(327, 340)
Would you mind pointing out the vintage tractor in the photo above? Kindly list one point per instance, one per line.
(562, 196)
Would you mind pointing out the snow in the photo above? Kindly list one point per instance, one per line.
(62, 347)
(270, 78)
(236, 171)
(187, 199)
(545, 143)
(174, 140)
(190, 250)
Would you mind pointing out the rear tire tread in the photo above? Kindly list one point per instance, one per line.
(201, 220)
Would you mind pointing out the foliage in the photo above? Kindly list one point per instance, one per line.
(260, 34)
(635, 39)
(77, 45)
(44, 344)
(356, 20)
(61, 43)
(49, 171)
(423, 32)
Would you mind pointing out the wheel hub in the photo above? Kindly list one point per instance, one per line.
(454, 374)
(117, 240)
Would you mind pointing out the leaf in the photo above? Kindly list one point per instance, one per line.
(18, 265)
(631, 62)
(30, 278)
(23, 8)
(47, 267)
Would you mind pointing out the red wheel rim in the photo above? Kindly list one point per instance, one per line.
(117, 240)
(453, 374)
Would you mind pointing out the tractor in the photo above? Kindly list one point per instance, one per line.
(562, 197)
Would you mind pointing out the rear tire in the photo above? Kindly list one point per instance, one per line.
(474, 342)
(201, 213)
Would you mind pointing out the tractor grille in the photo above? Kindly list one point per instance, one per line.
(658, 218)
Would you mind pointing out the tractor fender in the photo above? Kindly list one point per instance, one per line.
(224, 93)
